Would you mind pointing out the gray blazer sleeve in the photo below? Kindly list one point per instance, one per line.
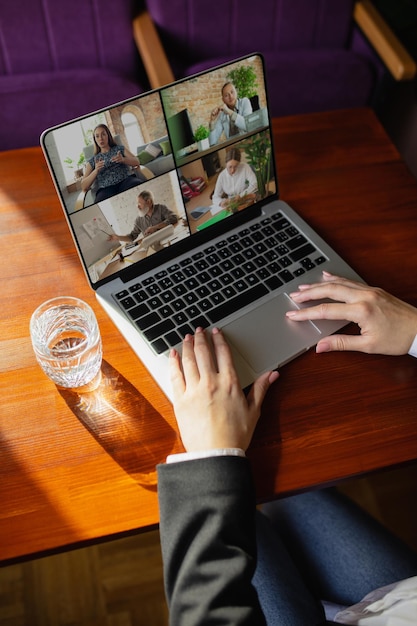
(207, 512)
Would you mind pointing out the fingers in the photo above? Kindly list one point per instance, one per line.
(343, 291)
(325, 311)
(176, 375)
(223, 354)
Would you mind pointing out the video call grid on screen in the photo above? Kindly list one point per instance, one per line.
(158, 128)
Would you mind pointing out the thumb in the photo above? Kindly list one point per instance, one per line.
(259, 388)
(341, 343)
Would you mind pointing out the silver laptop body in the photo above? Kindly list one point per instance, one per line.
(230, 263)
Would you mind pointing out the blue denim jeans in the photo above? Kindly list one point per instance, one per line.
(320, 546)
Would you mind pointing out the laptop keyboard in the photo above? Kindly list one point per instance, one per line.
(202, 289)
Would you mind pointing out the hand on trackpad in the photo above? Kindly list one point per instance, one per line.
(266, 338)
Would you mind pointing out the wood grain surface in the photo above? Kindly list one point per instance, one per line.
(77, 469)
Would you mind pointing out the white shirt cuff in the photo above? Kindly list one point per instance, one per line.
(204, 454)
(413, 350)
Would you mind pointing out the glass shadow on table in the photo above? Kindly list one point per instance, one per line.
(125, 424)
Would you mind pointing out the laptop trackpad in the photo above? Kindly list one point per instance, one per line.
(266, 339)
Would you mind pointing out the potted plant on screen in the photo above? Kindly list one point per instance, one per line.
(258, 154)
(244, 79)
(201, 135)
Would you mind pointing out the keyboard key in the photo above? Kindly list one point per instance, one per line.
(205, 305)
(307, 264)
(236, 303)
(185, 330)
(200, 321)
(216, 270)
(285, 261)
(128, 302)
(139, 311)
(302, 252)
(192, 311)
(229, 292)
(292, 231)
(217, 298)
(153, 289)
(296, 242)
(191, 283)
(172, 338)
(190, 297)
(215, 285)
(159, 346)
(179, 290)
(252, 279)
(147, 321)
(180, 318)
(263, 273)
(281, 224)
(286, 276)
(190, 270)
(227, 279)
(299, 272)
(178, 305)
(167, 296)
(274, 282)
(159, 329)
(165, 311)
(154, 303)
(178, 277)
(240, 285)
(202, 291)
(201, 265)
(238, 271)
(165, 283)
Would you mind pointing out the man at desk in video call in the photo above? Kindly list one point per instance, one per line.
(152, 217)
(229, 117)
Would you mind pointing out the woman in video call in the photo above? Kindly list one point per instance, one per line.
(236, 181)
(110, 166)
(229, 117)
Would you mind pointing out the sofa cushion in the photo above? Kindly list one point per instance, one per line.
(165, 147)
(45, 99)
(145, 157)
(153, 149)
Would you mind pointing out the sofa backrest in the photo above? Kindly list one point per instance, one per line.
(50, 35)
(198, 30)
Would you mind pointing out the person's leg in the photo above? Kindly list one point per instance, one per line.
(129, 182)
(103, 193)
(284, 598)
(342, 551)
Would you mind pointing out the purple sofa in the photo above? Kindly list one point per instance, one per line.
(60, 60)
(315, 58)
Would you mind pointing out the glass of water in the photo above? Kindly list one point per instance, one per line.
(67, 343)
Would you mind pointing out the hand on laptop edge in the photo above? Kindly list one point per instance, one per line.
(211, 409)
(387, 325)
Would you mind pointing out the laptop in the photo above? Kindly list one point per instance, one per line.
(208, 245)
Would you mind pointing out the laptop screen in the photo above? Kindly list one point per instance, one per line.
(142, 176)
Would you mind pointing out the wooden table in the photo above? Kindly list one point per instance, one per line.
(75, 470)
